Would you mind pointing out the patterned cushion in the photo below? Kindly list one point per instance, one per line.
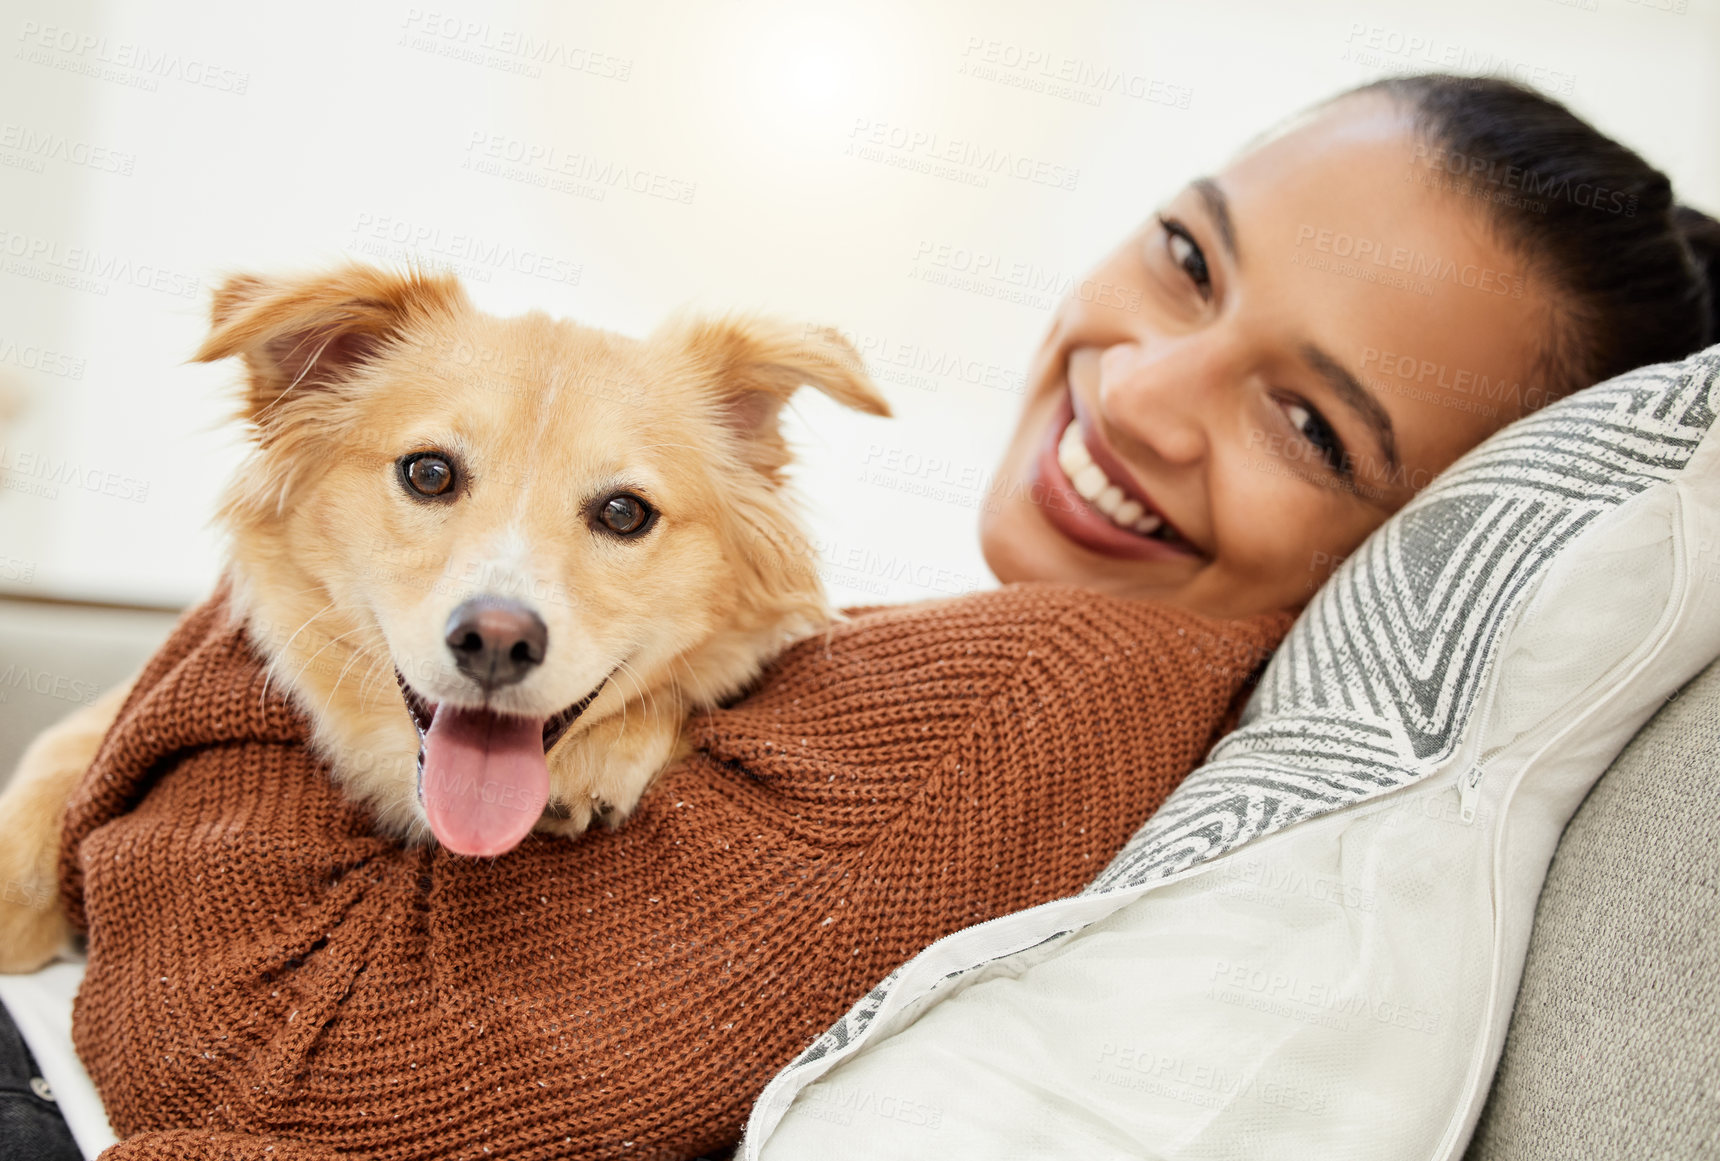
(1311, 948)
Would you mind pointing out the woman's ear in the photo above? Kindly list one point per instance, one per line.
(755, 364)
(303, 333)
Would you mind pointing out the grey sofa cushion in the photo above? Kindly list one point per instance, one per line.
(55, 658)
(1614, 1045)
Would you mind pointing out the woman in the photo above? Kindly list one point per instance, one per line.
(1295, 345)
(1352, 304)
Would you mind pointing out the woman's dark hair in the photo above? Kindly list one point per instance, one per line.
(1635, 278)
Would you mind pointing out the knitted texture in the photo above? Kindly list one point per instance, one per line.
(267, 978)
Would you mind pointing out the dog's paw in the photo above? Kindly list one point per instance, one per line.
(564, 819)
(33, 928)
(572, 819)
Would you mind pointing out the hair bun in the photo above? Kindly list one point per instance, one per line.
(1702, 234)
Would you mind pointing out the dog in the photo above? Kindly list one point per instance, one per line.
(495, 563)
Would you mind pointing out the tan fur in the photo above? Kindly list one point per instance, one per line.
(343, 577)
(33, 927)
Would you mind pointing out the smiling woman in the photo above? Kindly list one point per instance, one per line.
(1316, 331)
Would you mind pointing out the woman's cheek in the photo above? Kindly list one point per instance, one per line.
(1269, 521)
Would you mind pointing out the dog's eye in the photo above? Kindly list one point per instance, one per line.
(625, 514)
(427, 473)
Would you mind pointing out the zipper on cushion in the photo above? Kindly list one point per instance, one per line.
(1469, 792)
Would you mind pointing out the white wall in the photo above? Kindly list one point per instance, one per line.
(145, 148)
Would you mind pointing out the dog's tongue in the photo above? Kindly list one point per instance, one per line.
(485, 779)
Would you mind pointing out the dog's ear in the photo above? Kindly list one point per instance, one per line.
(754, 365)
(313, 331)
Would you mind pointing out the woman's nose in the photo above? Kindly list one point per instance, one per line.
(1163, 398)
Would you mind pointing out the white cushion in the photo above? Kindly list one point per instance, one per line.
(1312, 949)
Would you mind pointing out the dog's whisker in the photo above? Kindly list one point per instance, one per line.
(269, 670)
(649, 695)
(680, 690)
(682, 701)
(376, 663)
(638, 689)
(358, 654)
(319, 653)
(340, 677)
(288, 644)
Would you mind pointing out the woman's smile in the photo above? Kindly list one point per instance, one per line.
(1087, 495)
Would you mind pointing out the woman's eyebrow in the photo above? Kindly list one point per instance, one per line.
(1357, 398)
(1218, 206)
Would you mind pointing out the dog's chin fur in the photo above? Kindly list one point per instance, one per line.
(345, 579)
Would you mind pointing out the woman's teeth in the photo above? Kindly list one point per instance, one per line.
(1097, 489)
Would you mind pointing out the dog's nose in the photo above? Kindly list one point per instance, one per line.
(496, 642)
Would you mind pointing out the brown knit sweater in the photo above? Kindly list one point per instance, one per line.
(268, 979)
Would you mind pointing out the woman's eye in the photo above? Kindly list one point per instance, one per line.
(1314, 428)
(1187, 255)
(429, 474)
(625, 514)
